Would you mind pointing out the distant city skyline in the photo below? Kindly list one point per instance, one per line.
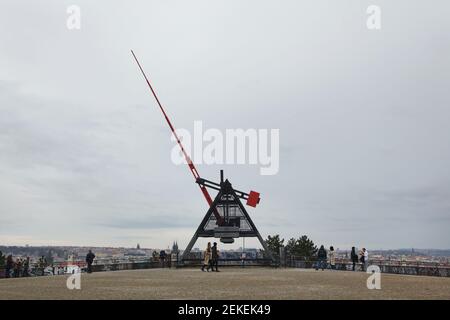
(363, 118)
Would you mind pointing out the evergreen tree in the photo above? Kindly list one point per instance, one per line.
(307, 248)
(274, 244)
(291, 246)
(302, 247)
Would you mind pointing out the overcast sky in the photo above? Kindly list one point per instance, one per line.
(364, 119)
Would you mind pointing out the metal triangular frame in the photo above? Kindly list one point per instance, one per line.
(225, 189)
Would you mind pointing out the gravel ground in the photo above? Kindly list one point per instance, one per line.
(230, 283)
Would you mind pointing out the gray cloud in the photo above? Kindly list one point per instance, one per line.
(153, 223)
(363, 119)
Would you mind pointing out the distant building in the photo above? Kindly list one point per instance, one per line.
(175, 247)
(134, 253)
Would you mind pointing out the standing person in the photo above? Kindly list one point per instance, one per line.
(155, 255)
(362, 259)
(332, 255)
(21, 263)
(354, 258)
(366, 258)
(42, 265)
(9, 266)
(207, 257)
(89, 260)
(17, 266)
(215, 257)
(2, 260)
(26, 267)
(162, 257)
(321, 258)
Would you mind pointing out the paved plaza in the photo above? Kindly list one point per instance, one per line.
(230, 283)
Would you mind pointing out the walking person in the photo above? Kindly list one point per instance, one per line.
(332, 256)
(89, 260)
(354, 258)
(206, 261)
(321, 258)
(215, 257)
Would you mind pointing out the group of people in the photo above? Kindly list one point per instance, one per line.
(322, 257)
(211, 259)
(362, 256)
(21, 267)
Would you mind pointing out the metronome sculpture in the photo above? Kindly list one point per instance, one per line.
(235, 222)
(226, 217)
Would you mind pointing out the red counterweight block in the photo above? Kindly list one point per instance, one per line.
(253, 199)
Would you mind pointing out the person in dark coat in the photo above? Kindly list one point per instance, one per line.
(321, 258)
(42, 264)
(354, 258)
(215, 257)
(26, 267)
(17, 268)
(162, 257)
(2, 260)
(9, 266)
(89, 260)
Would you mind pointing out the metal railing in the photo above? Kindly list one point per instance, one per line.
(423, 268)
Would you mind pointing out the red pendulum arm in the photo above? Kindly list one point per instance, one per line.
(191, 165)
